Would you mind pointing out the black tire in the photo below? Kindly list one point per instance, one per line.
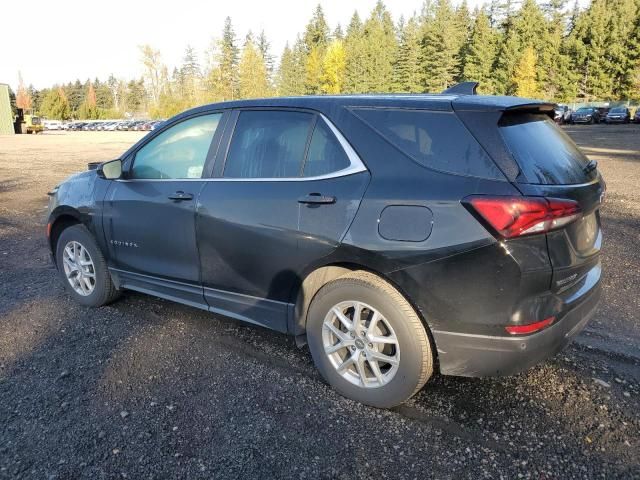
(104, 291)
(416, 355)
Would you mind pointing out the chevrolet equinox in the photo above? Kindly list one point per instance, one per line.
(394, 234)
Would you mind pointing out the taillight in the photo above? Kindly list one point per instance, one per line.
(516, 216)
(529, 328)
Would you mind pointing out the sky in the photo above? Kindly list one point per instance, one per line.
(58, 41)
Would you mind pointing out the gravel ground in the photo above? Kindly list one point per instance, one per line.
(149, 389)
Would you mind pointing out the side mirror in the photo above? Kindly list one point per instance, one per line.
(110, 170)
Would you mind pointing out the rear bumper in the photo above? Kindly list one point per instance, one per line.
(470, 355)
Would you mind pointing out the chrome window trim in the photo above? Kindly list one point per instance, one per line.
(355, 166)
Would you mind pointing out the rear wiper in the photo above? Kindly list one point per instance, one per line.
(591, 166)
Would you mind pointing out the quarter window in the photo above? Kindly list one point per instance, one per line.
(326, 155)
(268, 144)
(437, 140)
(179, 152)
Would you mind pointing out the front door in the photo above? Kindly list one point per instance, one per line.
(149, 216)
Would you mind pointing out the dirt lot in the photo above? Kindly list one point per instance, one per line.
(149, 389)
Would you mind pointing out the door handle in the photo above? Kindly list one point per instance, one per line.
(316, 198)
(180, 195)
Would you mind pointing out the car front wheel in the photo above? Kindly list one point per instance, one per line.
(83, 268)
(367, 341)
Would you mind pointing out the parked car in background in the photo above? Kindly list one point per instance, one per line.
(562, 114)
(52, 124)
(618, 115)
(589, 115)
(636, 116)
(396, 235)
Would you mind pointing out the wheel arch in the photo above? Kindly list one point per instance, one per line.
(322, 275)
(60, 220)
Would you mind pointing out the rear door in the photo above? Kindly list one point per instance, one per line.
(552, 166)
(281, 198)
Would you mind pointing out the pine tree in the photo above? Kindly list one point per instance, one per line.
(333, 67)
(619, 55)
(587, 46)
(55, 105)
(252, 73)
(481, 54)
(408, 73)
(264, 46)
(355, 53)
(630, 83)
(89, 108)
(380, 50)
(462, 27)
(524, 78)
(190, 76)
(440, 49)
(317, 31)
(527, 28)
(291, 74)
(222, 80)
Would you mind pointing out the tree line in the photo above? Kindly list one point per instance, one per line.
(543, 49)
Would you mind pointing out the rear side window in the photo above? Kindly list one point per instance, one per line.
(437, 140)
(268, 144)
(326, 155)
(545, 154)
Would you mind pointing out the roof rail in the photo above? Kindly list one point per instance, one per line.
(464, 88)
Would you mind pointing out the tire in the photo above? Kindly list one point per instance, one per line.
(397, 322)
(103, 290)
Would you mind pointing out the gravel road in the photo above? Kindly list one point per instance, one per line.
(149, 389)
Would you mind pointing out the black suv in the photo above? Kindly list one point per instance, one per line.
(588, 115)
(618, 115)
(393, 234)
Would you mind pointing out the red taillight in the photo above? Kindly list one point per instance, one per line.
(530, 328)
(515, 216)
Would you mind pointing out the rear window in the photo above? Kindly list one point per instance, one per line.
(545, 154)
(437, 140)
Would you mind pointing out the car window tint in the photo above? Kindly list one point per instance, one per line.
(179, 152)
(268, 144)
(546, 155)
(436, 140)
(326, 155)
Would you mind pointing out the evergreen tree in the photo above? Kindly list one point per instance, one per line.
(55, 105)
(190, 76)
(291, 71)
(265, 50)
(380, 50)
(355, 53)
(481, 54)
(333, 67)
(408, 72)
(223, 77)
(587, 45)
(89, 108)
(440, 49)
(524, 78)
(317, 31)
(252, 73)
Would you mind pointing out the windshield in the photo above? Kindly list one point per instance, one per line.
(618, 110)
(584, 110)
(544, 153)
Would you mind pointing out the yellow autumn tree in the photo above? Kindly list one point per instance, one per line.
(313, 71)
(252, 72)
(524, 77)
(333, 68)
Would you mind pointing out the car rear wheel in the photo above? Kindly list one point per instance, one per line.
(367, 341)
(83, 268)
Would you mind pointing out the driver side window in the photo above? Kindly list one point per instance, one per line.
(179, 152)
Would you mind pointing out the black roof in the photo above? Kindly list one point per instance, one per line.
(427, 101)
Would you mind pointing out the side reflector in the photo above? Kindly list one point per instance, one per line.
(48, 230)
(530, 328)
